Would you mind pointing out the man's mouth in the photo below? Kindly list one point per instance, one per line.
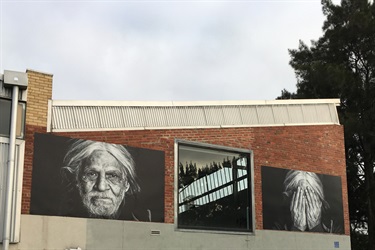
(101, 200)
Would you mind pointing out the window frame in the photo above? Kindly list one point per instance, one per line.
(20, 120)
(251, 199)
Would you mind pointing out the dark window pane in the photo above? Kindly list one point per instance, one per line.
(5, 112)
(214, 191)
(5, 108)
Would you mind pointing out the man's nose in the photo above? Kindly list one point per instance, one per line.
(102, 184)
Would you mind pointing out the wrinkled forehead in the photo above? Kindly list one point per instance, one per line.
(101, 159)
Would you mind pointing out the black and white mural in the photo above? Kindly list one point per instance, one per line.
(301, 201)
(83, 178)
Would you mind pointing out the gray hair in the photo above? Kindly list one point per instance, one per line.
(294, 178)
(81, 150)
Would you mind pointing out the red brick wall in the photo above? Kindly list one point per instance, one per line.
(28, 165)
(318, 149)
(39, 91)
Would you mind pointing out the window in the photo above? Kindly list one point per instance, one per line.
(214, 188)
(5, 112)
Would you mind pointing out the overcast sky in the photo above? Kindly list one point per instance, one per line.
(158, 50)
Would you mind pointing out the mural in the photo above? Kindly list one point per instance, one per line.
(83, 178)
(301, 201)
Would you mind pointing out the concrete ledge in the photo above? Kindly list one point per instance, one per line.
(50, 232)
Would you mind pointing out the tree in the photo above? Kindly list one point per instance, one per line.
(341, 64)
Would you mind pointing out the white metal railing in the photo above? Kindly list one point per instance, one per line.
(210, 188)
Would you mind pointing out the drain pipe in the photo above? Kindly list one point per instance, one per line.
(11, 165)
(15, 80)
(11, 156)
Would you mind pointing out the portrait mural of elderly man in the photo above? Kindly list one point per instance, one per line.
(296, 200)
(84, 178)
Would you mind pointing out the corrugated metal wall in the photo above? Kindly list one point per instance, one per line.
(17, 186)
(66, 116)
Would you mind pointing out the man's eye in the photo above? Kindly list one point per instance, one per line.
(90, 176)
(113, 177)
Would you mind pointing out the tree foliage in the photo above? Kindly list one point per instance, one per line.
(341, 64)
(190, 172)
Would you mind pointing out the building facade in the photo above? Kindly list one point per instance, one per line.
(207, 175)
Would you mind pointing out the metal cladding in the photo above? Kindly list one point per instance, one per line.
(90, 116)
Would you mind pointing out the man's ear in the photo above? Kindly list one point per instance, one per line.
(127, 186)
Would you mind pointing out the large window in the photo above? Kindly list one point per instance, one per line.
(214, 188)
(5, 113)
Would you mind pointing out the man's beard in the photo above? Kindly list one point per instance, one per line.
(102, 205)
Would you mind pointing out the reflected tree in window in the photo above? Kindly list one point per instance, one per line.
(214, 189)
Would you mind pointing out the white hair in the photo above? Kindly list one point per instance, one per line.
(81, 150)
(295, 178)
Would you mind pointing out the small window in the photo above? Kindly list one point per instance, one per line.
(5, 113)
(214, 188)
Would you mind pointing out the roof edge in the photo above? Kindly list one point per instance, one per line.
(192, 103)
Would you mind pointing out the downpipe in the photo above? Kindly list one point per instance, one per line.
(11, 165)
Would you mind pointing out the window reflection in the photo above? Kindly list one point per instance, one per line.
(214, 189)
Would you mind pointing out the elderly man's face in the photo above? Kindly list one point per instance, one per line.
(102, 184)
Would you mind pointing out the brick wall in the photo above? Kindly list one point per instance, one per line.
(39, 91)
(318, 149)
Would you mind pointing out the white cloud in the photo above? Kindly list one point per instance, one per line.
(160, 50)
